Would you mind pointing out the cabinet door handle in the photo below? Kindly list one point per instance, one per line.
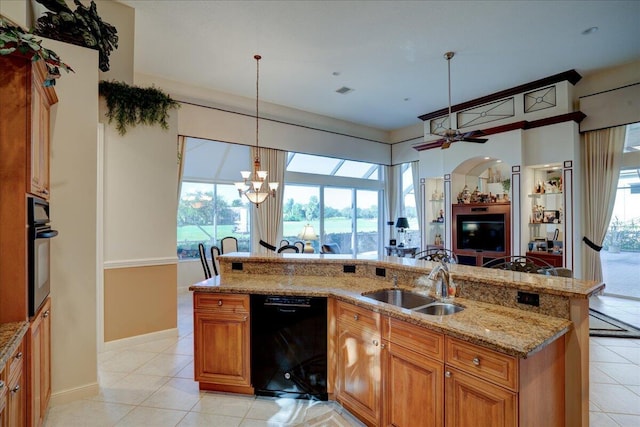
(16, 389)
(447, 374)
(382, 345)
(244, 319)
(19, 356)
(220, 302)
(476, 361)
(375, 342)
(1, 384)
(355, 317)
(45, 314)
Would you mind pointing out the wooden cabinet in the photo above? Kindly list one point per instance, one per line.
(24, 139)
(471, 402)
(39, 362)
(413, 385)
(359, 373)
(222, 358)
(481, 232)
(555, 260)
(487, 388)
(3, 399)
(15, 410)
(38, 157)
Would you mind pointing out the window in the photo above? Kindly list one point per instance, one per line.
(621, 247)
(207, 213)
(409, 206)
(210, 207)
(339, 198)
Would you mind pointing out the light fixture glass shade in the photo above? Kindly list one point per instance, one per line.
(256, 198)
(245, 174)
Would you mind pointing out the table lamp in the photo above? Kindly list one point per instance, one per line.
(307, 234)
(402, 224)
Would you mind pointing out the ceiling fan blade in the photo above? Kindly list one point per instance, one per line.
(478, 140)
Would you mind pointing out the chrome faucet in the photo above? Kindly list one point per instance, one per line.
(440, 274)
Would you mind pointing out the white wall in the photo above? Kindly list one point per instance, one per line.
(290, 130)
(140, 194)
(74, 124)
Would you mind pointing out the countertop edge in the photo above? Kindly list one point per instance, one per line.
(11, 335)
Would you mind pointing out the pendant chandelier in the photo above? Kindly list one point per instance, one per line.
(255, 186)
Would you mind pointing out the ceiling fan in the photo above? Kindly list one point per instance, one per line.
(452, 135)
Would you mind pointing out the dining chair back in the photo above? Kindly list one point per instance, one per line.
(228, 244)
(437, 254)
(203, 261)
(300, 245)
(288, 248)
(330, 248)
(524, 264)
(215, 253)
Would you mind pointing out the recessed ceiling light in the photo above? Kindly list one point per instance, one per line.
(336, 73)
(590, 30)
(407, 99)
(487, 158)
(498, 161)
(546, 166)
(344, 90)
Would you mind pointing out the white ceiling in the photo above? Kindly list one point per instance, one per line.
(389, 52)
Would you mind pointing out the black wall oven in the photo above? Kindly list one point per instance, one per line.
(39, 236)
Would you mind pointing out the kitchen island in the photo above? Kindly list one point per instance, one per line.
(525, 347)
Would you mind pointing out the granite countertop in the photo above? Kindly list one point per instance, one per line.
(561, 286)
(515, 332)
(10, 336)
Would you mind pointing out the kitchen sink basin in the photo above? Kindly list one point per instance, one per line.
(400, 297)
(439, 309)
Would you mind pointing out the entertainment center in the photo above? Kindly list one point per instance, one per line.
(481, 232)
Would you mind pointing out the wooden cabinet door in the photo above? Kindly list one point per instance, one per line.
(472, 402)
(222, 351)
(413, 388)
(39, 365)
(38, 160)
(16, 413)
(3, 400)
(359, 373)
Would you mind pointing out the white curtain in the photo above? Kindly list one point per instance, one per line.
(601, 159)
(415, 173)
(393, 192)
(268, 215)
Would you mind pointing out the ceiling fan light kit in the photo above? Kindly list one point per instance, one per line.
(449, 136)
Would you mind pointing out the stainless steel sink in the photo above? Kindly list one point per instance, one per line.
(439, 309)
(400, 297)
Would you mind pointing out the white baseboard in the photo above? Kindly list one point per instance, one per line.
(72, 394)
(139, 339)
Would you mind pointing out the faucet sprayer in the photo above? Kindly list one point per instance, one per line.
(444, 284)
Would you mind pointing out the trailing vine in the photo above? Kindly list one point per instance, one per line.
(133, 105)
(15, 39)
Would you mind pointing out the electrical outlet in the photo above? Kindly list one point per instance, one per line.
(236, 266)
(382, 272)
(528, 298)
(349, 268)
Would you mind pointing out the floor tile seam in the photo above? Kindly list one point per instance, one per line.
(637, 393)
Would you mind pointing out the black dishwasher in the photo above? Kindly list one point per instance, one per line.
(289, 346)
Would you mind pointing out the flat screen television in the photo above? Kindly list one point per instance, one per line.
(484, 232)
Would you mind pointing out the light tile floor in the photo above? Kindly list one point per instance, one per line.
(152, 385)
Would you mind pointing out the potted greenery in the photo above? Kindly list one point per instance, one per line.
(17, 41)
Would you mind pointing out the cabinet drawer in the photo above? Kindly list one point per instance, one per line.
(358, 317)
(416, 338)
(15, 363)
(224, 303)
(487, 364)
